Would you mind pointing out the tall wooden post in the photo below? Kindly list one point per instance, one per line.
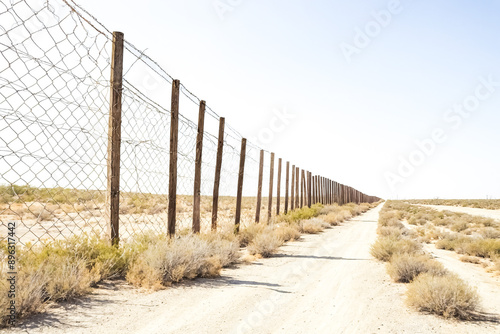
(114, 140)
(287, 184)
(218, 167)
(239, 195)
(271, 176)
(302, 188)
(292, 190)
(278, 188)
(309, 189)
(297, 194)
(259, 187)
(313, 189)
(197, 168)
(174, 138)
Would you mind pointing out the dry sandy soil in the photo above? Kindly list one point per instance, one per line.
(326, 283)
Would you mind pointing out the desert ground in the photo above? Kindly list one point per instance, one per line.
(323, 283)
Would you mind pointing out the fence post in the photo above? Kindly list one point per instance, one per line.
(270, 199)
(218, 166)
(114, 139)
(309, 189)
(292, 190)
(259, 187)
(297, 194)
(237, 218)
(316, 189)
(329, 191)
(174, 138)
(286, 186)
(197, 168)
(313, 189)
(302, 188)
(278, 188)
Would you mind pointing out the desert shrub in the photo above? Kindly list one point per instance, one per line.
(265, 244)
(301, 214)
(225, 247)
(404, 268)
(312, 226)
(385, 247)
(459, 226)
(333, 218)
(447, 296)
(287, 232)
(186, 257)
(451, 242)
(390, 231)
(482, 247)
(489, 233)
(247, 234)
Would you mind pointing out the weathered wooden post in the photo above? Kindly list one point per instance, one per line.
(174, 138)
(218, 166)
(114, 140)
(270, 199)
(239, 195)
(197, 168)
(259, 187)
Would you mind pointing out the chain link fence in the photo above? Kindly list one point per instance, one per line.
(55, 65)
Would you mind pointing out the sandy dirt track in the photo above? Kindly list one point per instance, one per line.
(326, 283)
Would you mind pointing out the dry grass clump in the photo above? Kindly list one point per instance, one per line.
(489, 233)
(470, 246)
(404, 268)
(301, 214)
(448, 296)
(334, 218)
(265, 244)
(288, 232)
(59, 271)
(247, 234)
(385, 247)
(184, 258)
(312, 226)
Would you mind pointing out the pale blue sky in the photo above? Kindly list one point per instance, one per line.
(353, 120)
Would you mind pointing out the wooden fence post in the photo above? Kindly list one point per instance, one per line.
(313, 189)
(197, 168)
(278, 188)
(270, 199)
(287, 184)
(309, 189)
(218, 166)
(259, 187)
(241, 172)
(174, 138)
(329, 191)
(297, 194)
(316, 187)
(302, 188)
(114, 140)
(292, 190)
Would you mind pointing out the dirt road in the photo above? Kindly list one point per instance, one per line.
(326, 283)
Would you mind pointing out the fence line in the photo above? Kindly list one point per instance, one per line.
(89, 147)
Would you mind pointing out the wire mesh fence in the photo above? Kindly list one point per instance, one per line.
(55, 72)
